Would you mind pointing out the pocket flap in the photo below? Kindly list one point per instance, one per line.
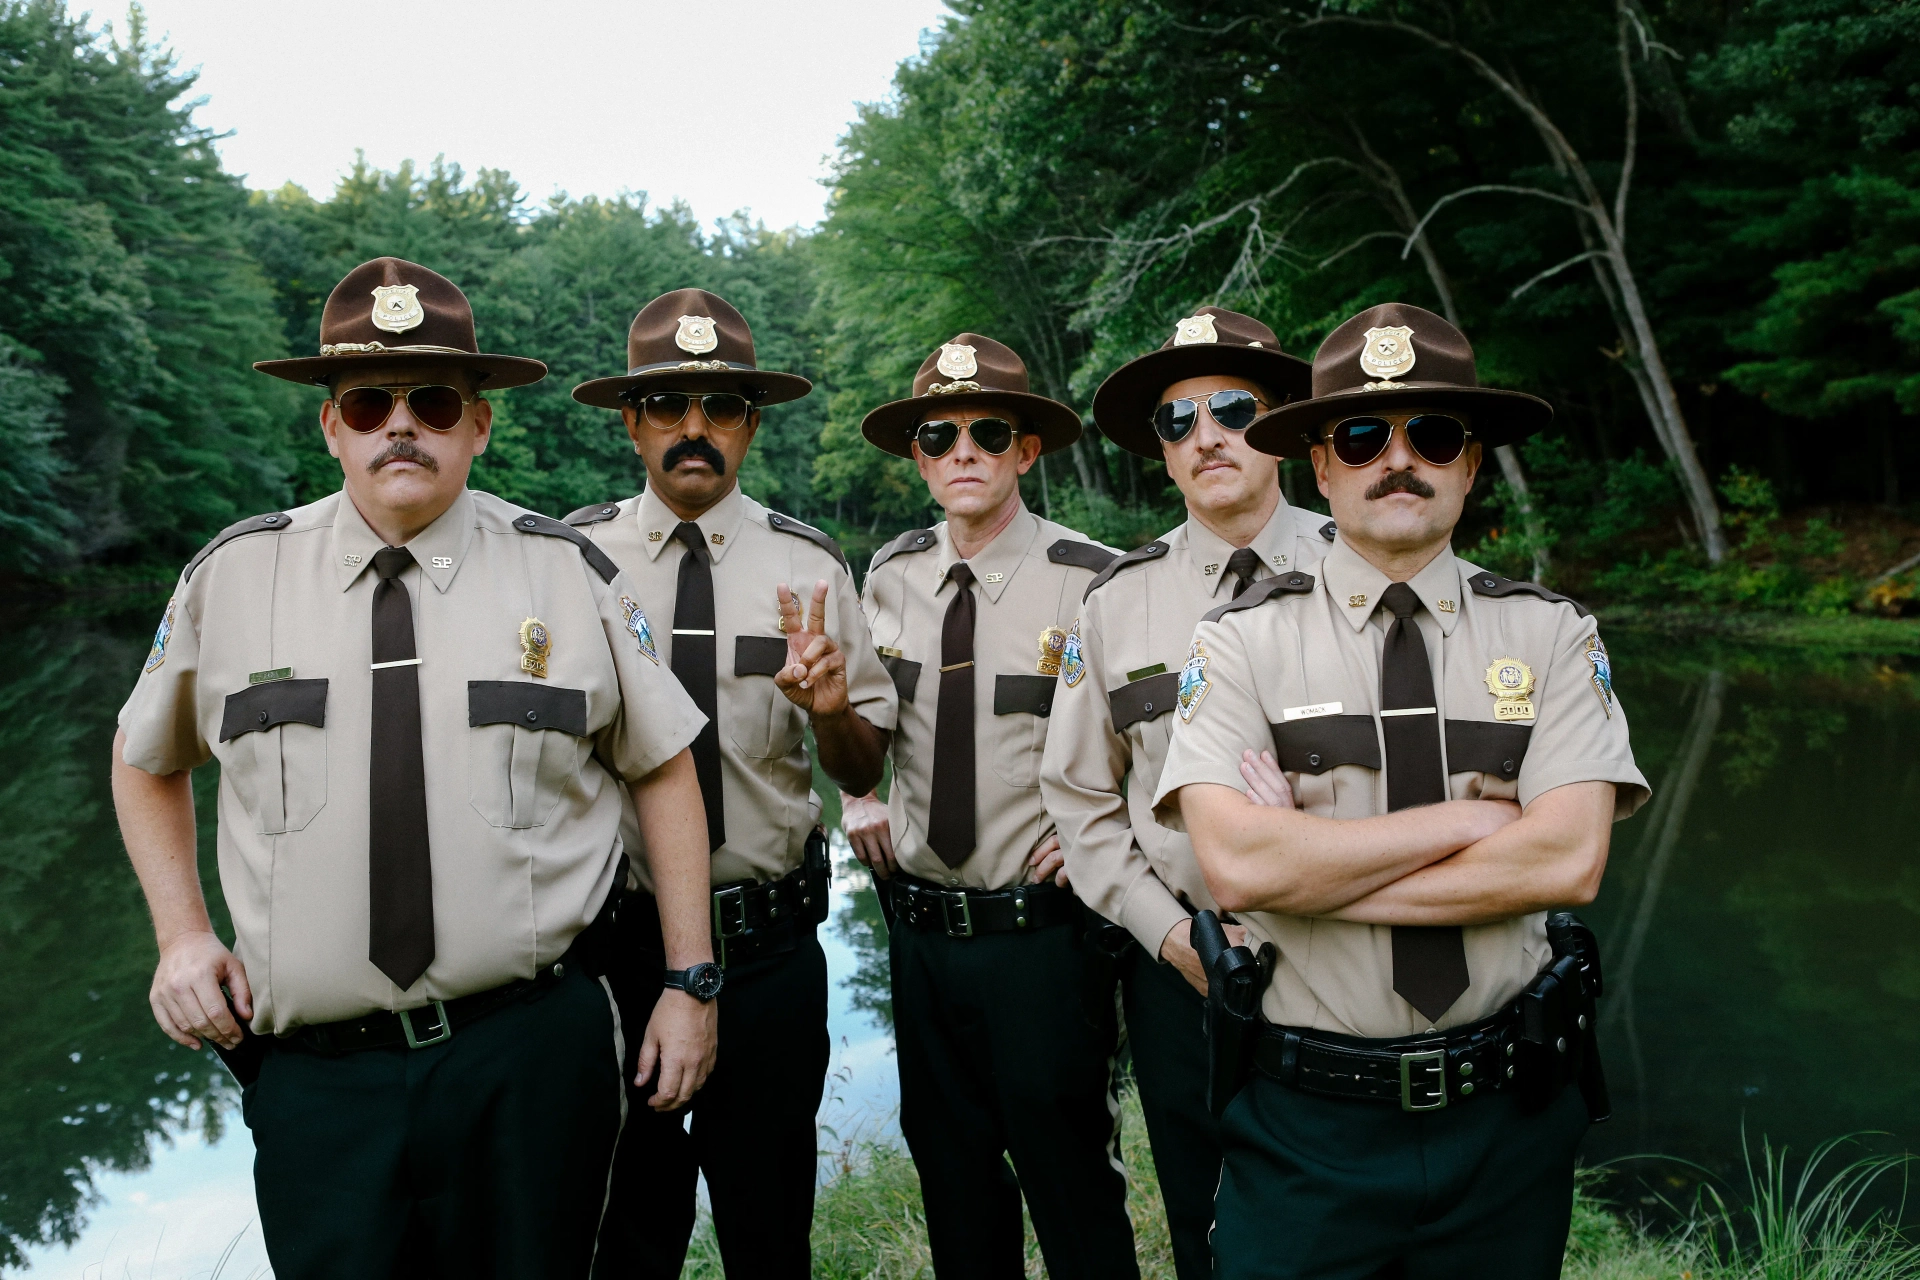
(759, 655)
(263, 706)
(1144, 699)
(905, 673)
(1031, 694)
(529, 705)
(1482, 746)
(1317, 744)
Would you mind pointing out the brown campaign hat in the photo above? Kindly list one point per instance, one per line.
(390, 311)
(691, 340)
(1395, 357)
(1210, 341)
(971, 370)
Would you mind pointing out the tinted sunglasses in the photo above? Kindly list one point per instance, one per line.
(989, 435)
(666, 410)
(1234, 410)
(1436, 437)
(366, 409)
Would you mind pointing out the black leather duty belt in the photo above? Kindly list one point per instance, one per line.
(433, 1023)
(964, 913)
(1423, 1074)
(756, 919)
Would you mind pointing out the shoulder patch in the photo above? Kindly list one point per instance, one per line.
(1328, 529)
(787, 524)
(271, 522)
(1139, 555)
(1086, 555)
(593, 514)
(1497, 587)
(910, 541)
(590, 551)
(1286, 584)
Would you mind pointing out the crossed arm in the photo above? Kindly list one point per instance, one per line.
(1459, 862)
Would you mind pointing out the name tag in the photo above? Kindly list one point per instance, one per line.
(1309, 712)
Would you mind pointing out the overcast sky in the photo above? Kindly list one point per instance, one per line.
(730, 106)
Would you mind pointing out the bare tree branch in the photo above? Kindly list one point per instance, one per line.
(1574, 261)
(1451, 196)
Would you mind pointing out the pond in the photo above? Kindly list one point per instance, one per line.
(1761, 921)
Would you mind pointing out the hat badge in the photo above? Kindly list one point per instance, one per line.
(1194, 330)
(396, 307)
(1388, 354)
(957, 360)
(696, 335)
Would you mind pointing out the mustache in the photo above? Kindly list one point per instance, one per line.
(1208, 457)
(695, 448)
(406, 450)
(1399, 482)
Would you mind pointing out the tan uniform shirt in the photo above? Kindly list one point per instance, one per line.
(1113, 716)
(523, 821)
(1026, 583)
(1300, 673)
(766, 778)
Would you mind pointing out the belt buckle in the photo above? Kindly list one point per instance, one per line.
(948, 901)
(1432, 1090)
(729, 919)
(442, 1032)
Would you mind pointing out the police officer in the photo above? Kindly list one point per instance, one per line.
(427, 705)
(741, 597)
(1390, 769)
(1003, 1017)
(1188, 405)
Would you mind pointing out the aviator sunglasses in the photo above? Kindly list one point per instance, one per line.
(989, 435)
(1233, 409)
(1436, 437)
(366, 409)
(665, 410)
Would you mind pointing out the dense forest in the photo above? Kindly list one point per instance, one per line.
(1693, 225)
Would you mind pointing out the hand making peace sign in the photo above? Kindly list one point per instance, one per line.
(815, 677)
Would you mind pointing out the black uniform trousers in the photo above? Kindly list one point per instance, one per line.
(1006, 1048)
(1341, 1189)
(752, 1125)
(1167, 1039)
(483, 1156)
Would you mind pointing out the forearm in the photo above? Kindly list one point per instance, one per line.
(157, 826)
(851, 750)
(1109, 871)
(674, 830)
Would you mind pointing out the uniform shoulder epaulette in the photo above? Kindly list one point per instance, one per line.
(1085, 555)
(593, 514)
(1492, 584)
(1286, 584)
(1139, 555)
(589, 550)
(271, 522)
(1328, 529)
(787, 524)
(910, 541)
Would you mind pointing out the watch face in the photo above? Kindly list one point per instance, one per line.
(704, 980)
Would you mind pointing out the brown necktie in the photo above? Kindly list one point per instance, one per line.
(950, 817)
(1429, 961)
(1244, 565)
(694, 648)
(399, 868)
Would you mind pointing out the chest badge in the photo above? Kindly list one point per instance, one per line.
(1073, 662)
(1193, 680)
(535, 644)
(1510, 681)
(1602, 675)
(638, 628)
(161, 634)
(1053, 641)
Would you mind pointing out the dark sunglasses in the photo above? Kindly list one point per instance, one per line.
(1436, 437)
(1234, 410)
(989, 435)
(366, 409)
(666, 410)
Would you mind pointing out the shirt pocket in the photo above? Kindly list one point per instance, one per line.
(772, 729)
(1309, 750)
(1143, 700)
(526, 742)
(1029, 699)
(1492, 750)
(279, 757)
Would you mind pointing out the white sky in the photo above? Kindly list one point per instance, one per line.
(729, 106)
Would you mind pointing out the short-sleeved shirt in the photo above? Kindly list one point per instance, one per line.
(1114, 713)
(1300, 674)
(1027, 585)
(766, 777)
(263, 662)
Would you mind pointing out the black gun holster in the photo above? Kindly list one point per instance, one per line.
(1236, 979)
(1558, 1043)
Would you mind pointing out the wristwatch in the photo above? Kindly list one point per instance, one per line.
(702, 982)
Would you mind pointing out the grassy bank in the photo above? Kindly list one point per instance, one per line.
(1795, 1220)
